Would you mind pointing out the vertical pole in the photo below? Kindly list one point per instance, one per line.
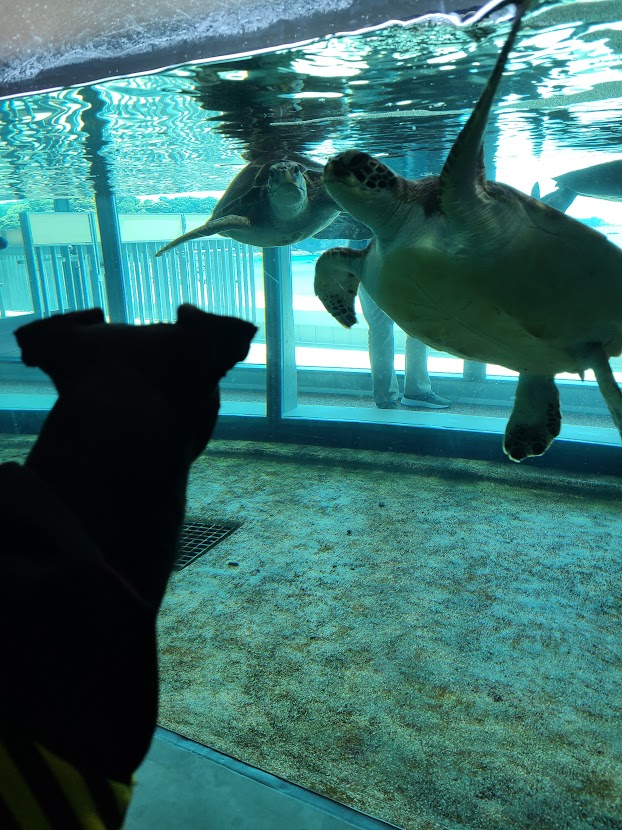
(72, 276)
(105, 204)
(110, 238)
(97, 283)
(474, 371)
(281, 384)
(31, 265)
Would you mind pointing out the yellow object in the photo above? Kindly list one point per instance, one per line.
(39, 790)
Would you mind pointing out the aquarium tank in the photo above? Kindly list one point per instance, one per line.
(372, 600)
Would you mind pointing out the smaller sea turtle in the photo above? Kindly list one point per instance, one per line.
(482, 271)
(271, 202)
(601, 181)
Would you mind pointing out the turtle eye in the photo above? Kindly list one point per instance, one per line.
(295, 170)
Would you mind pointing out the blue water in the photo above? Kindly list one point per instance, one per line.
(400, 93)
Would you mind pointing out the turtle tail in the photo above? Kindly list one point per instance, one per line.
(606, 383)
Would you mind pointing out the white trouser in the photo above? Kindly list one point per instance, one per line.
(382, 356)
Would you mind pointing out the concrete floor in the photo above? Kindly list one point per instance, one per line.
(431, 641)
(182, 785)
(434, 642)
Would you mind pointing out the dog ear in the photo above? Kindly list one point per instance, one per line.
(226, 339)
(43, 340)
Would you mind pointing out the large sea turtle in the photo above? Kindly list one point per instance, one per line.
(273, 201)
(600, 181)
(482, 271)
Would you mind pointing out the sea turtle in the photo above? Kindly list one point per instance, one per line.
(482, 271)
(273, 201)
(600, 181)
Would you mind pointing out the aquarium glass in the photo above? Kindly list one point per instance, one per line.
(488, 701)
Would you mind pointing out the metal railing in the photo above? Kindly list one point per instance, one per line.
(15, 294)
(62, 275)
(47, 279)
(217, 275)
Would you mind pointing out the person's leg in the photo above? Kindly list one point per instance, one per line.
(417, 387)
(381, 352)
(416, 379)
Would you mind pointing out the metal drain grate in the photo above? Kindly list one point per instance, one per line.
(197, 538)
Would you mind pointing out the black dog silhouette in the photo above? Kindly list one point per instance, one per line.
(90, 526)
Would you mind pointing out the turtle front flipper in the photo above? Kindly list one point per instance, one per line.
(462, 178)
(535, 420)
(337, 279)
(212, 226)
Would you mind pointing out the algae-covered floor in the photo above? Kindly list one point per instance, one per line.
(435, 642)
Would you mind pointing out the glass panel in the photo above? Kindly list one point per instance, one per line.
(334, 362)
(53, 263)
(425, 639)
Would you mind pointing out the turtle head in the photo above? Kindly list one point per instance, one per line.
(361, 185)
(287, 187)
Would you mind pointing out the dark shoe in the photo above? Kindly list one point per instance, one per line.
(430, 400)
(388, 405)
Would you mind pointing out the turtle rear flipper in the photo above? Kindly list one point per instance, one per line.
(560, 199)
(212, 226)
(535, 420)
